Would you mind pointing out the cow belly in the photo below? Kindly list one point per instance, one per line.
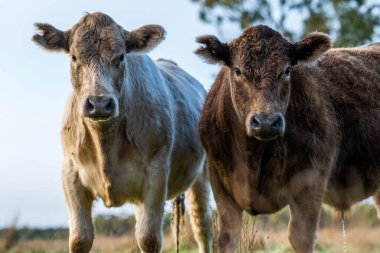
(186, 164)
(349, 187)
(183, 173)
(343, 198)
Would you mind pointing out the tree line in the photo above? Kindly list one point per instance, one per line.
(349, 22)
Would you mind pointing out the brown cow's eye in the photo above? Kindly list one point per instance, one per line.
(73, 58)
(287, 71)
(121, 58)
(237, 71)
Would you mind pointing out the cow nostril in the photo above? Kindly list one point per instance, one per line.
(90, 106)
(255, 123)
(110, 106)
(277, 123)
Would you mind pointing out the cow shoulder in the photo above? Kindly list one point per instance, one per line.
(215, 126)
(149, 105)
(311, 115)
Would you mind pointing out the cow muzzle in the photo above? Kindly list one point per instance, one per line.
(265, 127)
(100, 108)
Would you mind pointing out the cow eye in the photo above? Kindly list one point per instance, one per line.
(237, 71)
(73, 58)
(116, 62)
(287, 71)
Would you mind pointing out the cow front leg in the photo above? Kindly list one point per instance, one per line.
(149, 214)
(149, 227)
(229, 216)
(305, 205)
(79, 202)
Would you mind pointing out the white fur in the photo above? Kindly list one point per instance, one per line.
(148, 154)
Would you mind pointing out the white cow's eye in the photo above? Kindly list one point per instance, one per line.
(116, 62)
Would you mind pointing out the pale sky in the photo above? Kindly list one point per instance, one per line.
(35, 85)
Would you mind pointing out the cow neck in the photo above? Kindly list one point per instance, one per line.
(247, 150)
(100, 146)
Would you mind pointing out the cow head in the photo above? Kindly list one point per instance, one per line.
(97, 47)
(260, 67)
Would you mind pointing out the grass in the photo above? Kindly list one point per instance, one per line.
(265, 234)
(359, 239)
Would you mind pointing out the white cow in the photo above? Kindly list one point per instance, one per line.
(130, 130)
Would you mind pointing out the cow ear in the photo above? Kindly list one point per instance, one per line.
(51, 38)
(145, 38)
(311, 47)
(212, 50)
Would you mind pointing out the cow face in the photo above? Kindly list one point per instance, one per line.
(97, 46)
(260, 68)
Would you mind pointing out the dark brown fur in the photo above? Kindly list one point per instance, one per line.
(329, 151)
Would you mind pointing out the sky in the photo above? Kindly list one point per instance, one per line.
(35, 85)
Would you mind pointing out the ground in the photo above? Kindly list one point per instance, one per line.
(262, 234)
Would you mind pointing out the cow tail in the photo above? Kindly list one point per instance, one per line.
(178, 212)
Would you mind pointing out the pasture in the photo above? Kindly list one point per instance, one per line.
(262, 234)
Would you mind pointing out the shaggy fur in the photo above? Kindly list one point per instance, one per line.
(329, 151)
(149, 150)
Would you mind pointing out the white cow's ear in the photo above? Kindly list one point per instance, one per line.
(311, 47)
(145, 38)
(212, 50)
(51, 38)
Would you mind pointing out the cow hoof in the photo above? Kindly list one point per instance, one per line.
(80, 245)
(149, 244)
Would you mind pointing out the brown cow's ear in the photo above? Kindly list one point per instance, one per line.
(311, 47)
(145, 38)
(212, 50)
(51, 38)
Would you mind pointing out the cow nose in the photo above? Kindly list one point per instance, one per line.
(266, 126)
(99, 107)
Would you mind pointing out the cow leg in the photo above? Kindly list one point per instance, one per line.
(376, 199)
(149, 226)
(229, 216)
(305, 205)
(200, 211)
(149, 214)
(79, 202)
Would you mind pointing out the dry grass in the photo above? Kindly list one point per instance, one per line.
(39, 246)
(256, 237)
(359, 239)
(122, 244)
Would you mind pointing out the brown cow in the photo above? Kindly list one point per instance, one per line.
(290, 124)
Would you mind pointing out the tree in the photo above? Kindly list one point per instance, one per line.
(349, 22)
